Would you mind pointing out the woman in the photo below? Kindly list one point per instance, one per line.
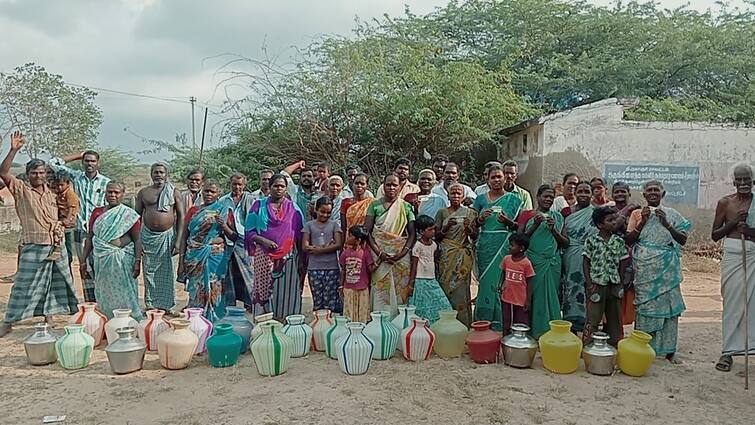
(425, 202)
(456, 235)
(658, 234)
(546, 241)
(114, 239)
(204, 261)
(498, 211)
(273, 237)
(354, 210)
(390, 224)
(577, 227)
(567, 199)
(600, 193)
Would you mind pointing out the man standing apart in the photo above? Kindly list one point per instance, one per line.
(192, 196)
(735, 217)
(162, 211)
(90, 186)
(402, 170)
(510, 174)
(41, 287)
(239, 281)
(264, 189)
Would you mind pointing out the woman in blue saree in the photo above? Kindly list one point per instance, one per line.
(658, 234)
(497, 220)
(204, 262)
(577, 228)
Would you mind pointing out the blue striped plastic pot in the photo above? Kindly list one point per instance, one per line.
(354, 351)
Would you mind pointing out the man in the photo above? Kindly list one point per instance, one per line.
(401, 169)
(510, 174)
(450, 177)
(42, 287)
(439, 165)
(239, 281)
(484, 188)
(264, 189)
(305, 194)
(192, 197)
(90, 186)
(735, 217)
(569, 197)
(162, 211)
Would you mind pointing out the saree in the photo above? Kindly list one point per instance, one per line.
(390, 282)
(657, 281)
(456, 262)
(356, 213)
(578, 228)
(205, 261)
(545, 257)
(282, 227)
(115, 287)
(492, 246)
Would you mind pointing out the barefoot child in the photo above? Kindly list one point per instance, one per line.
(68, 210)
(321, 239)
(426, 292)
(604, 264)
(356, 267)
(516, 283)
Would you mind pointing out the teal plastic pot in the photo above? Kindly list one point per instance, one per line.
(224, 346)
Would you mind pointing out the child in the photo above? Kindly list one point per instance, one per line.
(321, 239)
(68, 210)
(516, 283)
(604, 263)
(356, 267)
(425, 291)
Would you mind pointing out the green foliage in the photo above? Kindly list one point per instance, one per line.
(55, 117)
(374, 99)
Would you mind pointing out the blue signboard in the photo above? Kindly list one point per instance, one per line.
(682, 183)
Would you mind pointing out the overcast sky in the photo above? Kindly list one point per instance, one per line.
(163, 48)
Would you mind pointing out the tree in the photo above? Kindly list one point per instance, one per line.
(56, 117)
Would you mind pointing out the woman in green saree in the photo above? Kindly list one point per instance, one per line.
(577, 227)
(390, 224)
(546, 240)
(455, 234)
(497, 219)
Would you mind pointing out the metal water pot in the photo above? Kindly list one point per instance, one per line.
(599, 356)
(40, 346)
(519, 349)
(126, 354)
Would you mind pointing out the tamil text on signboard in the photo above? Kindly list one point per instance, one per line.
(682, 183)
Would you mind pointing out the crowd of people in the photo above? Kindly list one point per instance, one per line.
(581, 251)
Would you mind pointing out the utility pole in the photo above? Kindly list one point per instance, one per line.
(193, 99)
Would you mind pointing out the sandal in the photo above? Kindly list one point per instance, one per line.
(724, 364)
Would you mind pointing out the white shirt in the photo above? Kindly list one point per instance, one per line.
(425, 259)
(482, 189)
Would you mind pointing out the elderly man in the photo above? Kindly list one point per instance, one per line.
(510, 174)
(42, 287)
(239, 281)
(735, 221)
(192, 196)
(162, 211)
(264, 189)
(90, 187)
(402, 170)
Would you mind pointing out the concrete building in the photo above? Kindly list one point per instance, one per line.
(693, 159)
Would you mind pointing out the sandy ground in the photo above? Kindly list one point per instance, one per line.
(395, 391)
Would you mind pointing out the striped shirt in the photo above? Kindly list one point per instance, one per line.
(91, 192)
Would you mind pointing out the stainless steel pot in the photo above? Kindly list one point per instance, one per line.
(519, 349)
(126, 354)
(40, 346)
(599, 357)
